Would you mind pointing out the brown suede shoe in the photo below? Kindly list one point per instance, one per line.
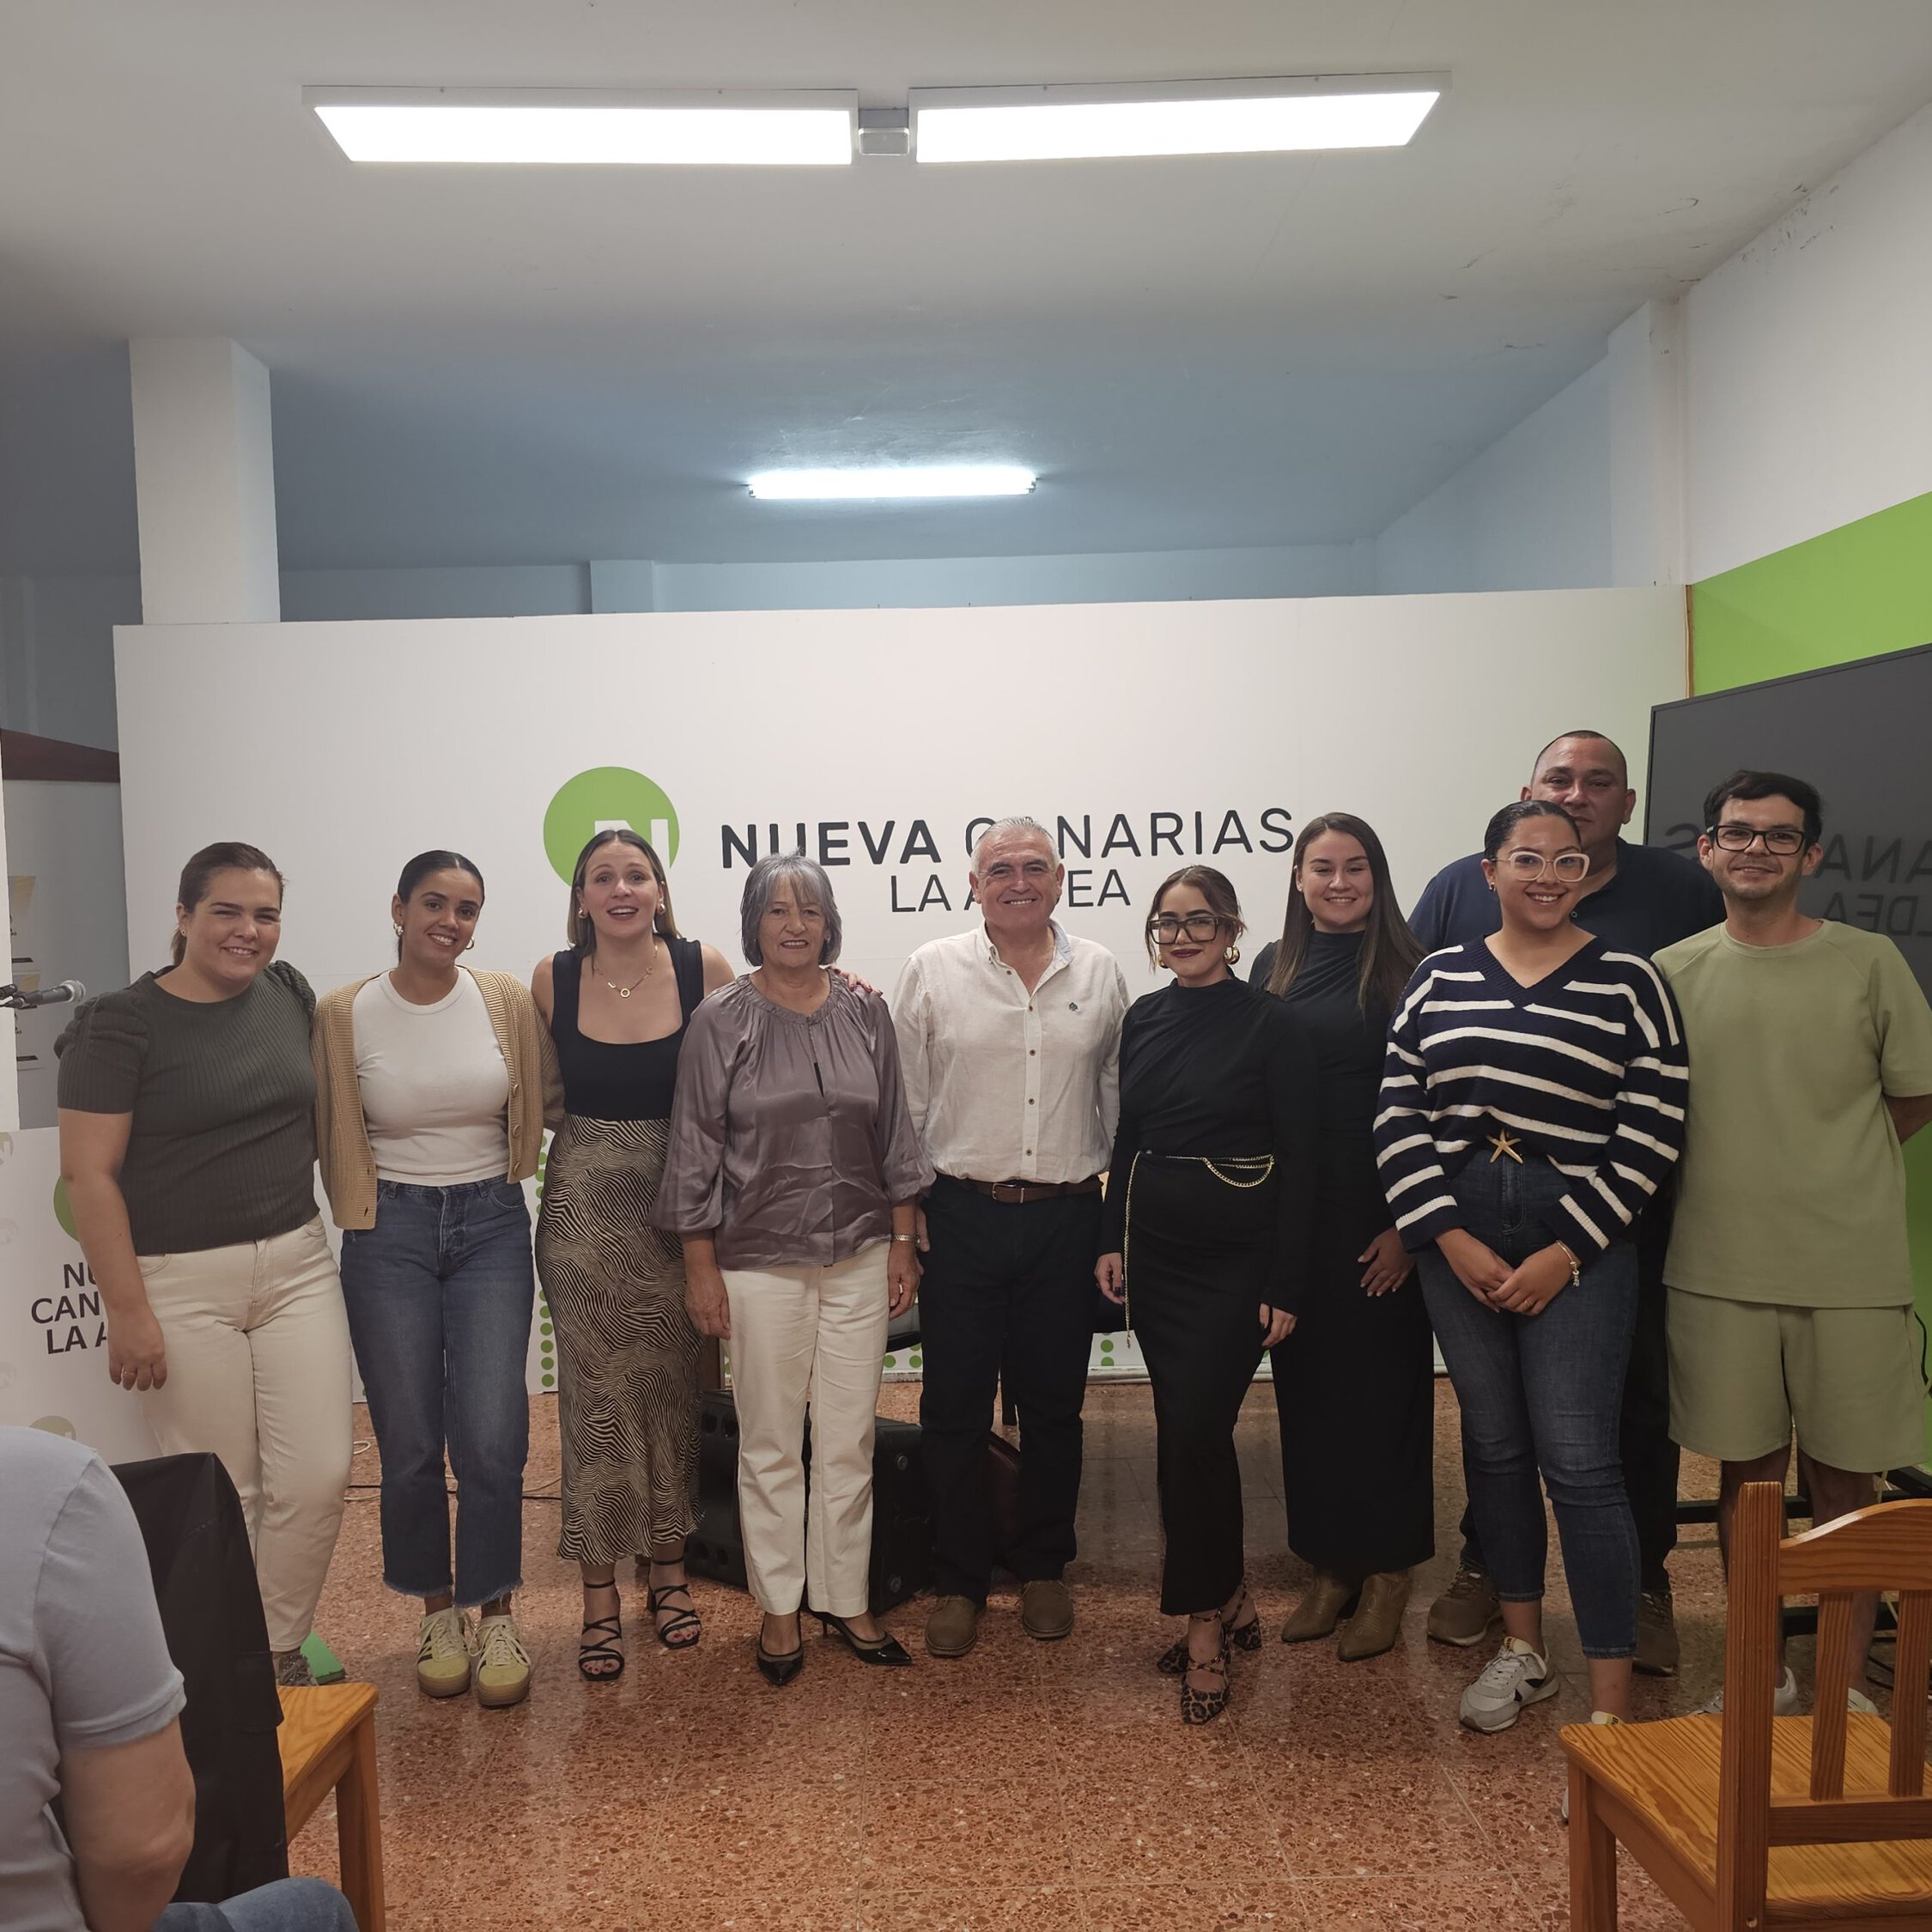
(1375, 1625)
(952, 1627)
(1466, 1612)
(1328, 1600)
(1046, 1608)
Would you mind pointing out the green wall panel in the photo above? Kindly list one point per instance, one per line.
(1850, 593)
(1853, 593)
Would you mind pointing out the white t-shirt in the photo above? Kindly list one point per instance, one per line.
(435, 1089)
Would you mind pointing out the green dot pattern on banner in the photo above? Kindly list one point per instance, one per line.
(607, 796)
(546, 1347)
(64, 1211)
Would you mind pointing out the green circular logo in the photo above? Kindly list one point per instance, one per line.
(604, 800)
(63, 1210)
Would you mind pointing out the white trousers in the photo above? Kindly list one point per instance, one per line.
(258, 1371)
(808, 1335)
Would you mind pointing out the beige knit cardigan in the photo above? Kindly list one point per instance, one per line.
(342, 1135)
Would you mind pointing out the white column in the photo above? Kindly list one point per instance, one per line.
(205, 483)
(1646, 372)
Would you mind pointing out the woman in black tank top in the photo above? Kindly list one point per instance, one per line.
(626, 1353)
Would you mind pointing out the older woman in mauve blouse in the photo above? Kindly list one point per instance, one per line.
(793, 1179)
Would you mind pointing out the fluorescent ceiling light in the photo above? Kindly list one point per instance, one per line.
(960, 479)
(1171, 117)
(552, 126)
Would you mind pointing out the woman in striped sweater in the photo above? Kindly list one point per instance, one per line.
(1532, 1104)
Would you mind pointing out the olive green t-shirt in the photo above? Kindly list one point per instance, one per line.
(222, 1146)
(1792, 1185)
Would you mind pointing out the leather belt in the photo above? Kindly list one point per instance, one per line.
(1018, 1192)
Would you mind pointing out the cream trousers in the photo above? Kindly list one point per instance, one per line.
(258, 1371)
(804, 1335)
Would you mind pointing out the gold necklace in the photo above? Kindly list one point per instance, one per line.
(625, 992)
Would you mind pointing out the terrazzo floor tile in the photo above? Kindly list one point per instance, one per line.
(1027, 1786)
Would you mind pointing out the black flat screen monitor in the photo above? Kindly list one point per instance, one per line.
(1863, 734)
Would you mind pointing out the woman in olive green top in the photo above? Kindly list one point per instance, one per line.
(187, 1143)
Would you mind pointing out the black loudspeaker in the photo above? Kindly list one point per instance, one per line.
(717, 1550)
(901, 1515)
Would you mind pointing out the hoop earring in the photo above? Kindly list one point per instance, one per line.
(471, 947)
(1234, 955)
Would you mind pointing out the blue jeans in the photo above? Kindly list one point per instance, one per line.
(1543, 1392)
(295, 1904)
(439, 1292)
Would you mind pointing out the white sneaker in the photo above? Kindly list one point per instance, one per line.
(1596, 1717)
(1514, 1677)
(1785, 1699)
(1856, 1702)
(442, 1654)
(503, 1663)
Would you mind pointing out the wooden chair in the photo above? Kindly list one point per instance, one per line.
(1748, 1821)
(328, 1744)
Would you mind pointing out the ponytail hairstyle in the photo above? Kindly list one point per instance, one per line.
(577, 926)
(198, 874)
(420, 867)
(1495, 834)
(1390, 951)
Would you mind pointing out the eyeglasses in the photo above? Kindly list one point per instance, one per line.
(1528, 866)
(1783, 839)
(1199, 926)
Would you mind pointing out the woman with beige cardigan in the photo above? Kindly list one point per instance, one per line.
(433, 1084)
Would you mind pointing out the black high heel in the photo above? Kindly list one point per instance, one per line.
(887, 1650)
(778, 1671)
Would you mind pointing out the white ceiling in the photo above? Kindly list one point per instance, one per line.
(486, 366)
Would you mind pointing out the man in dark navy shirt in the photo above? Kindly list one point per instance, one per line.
(1639, 898)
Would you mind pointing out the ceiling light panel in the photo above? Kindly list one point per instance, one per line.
(538, 127)
(829, 486)
(1091, 123)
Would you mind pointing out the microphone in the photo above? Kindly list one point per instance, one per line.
(45, 996)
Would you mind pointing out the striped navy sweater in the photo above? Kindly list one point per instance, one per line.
(1586, 1068)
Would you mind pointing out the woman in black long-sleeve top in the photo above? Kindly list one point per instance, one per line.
(1354, 1384)
(1207, 1224)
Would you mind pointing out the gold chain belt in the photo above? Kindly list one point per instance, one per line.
(1214, 1164)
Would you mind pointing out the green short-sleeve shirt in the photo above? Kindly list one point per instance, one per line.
(1792, 1185)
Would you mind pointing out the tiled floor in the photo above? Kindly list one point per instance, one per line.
(1027, 1786)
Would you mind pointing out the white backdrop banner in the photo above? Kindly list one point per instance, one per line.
(53, 1366)
(1143, 736)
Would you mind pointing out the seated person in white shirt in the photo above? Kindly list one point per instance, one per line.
(89, 1708)
(1009, 1044)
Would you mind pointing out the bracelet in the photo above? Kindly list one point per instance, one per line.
(1568, 1254)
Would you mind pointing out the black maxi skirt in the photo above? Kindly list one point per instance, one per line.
(1354, 1389)
(1199, 1244)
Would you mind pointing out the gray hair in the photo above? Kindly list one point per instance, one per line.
(1000, 827)
(760, 887)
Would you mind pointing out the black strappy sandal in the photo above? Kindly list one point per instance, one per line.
(593, 1658)
(1173, 1661)
(681, 1619)
(1203, 1707)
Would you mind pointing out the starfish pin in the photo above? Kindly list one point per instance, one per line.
(1505, 1143)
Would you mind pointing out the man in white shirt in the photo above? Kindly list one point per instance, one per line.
(1009, 1041)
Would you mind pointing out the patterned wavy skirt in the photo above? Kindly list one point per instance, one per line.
(626, 1352)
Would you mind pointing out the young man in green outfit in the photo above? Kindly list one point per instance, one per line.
(1790, 1289)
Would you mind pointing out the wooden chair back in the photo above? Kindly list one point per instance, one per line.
(1887, 1547)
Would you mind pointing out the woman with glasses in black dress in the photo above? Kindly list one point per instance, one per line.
(1206, 1226)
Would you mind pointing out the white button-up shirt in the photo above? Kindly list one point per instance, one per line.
(1004, 1085)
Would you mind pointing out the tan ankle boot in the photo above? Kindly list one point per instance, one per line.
(1375, 1625)
(1325, 1605)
